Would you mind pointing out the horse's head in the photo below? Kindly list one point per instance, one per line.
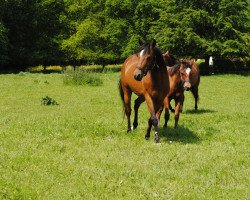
(146, 61)
(185, 70)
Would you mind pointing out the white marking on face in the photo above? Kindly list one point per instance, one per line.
(188, 70)
(141, 53)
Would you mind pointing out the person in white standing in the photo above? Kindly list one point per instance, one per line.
(211, 65)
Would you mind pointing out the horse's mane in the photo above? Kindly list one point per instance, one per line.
(159, 57)
(173, 69)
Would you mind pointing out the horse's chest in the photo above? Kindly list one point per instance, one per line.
(154, 89)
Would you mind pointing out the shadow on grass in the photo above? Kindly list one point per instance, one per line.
(199, 111)
(180, 134)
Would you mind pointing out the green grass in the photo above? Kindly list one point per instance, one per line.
(81, 77)
(79, 149)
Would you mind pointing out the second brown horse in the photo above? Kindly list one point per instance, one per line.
(179, 81)
(145, 74)
(194, 75)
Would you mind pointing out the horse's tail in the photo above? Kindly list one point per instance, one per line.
(122, 96)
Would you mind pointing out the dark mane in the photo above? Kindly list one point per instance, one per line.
(159, 58)
(172, 70)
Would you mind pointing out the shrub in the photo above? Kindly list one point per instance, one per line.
(81, 77)
(48, 101)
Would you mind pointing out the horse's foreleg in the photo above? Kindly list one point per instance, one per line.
(158, 114)
(194, 91)
(166, 115)
(137, 104)
(182, 102)
(178, 103)
(151, 122)
(147, 135)
(127, 105)
(153, 119)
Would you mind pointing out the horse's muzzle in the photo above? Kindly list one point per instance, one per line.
(187, 86)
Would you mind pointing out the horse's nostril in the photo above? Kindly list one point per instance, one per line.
(138, 77)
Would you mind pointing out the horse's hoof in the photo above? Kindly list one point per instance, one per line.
(157, 140)
(135, 125)
(147, 137)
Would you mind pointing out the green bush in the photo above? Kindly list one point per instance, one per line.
(48, 101)
(81, 77)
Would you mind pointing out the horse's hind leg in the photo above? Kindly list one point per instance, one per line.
(137, 104)
(194, 91)
(166, 115)
(127, 105)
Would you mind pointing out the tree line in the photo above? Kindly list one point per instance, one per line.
(49, 32)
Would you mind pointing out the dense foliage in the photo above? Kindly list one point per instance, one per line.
(48, 32)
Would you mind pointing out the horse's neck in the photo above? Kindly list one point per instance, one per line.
(158, 74)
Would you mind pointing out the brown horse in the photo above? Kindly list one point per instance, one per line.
(145, 74)
(195, 81)
(179, 81)
(194, 75)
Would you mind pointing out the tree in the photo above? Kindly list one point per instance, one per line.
(49, 31)
(203, 28)
(4, 45)
(99, 35)
(109, 30)
(32, 31)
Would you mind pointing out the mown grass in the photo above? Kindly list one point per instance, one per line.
(80, 148)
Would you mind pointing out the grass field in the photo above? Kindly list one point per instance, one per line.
(79, 149)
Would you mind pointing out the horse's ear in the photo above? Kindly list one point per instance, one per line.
(166, 53)
(153, 43)
(192, 61)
